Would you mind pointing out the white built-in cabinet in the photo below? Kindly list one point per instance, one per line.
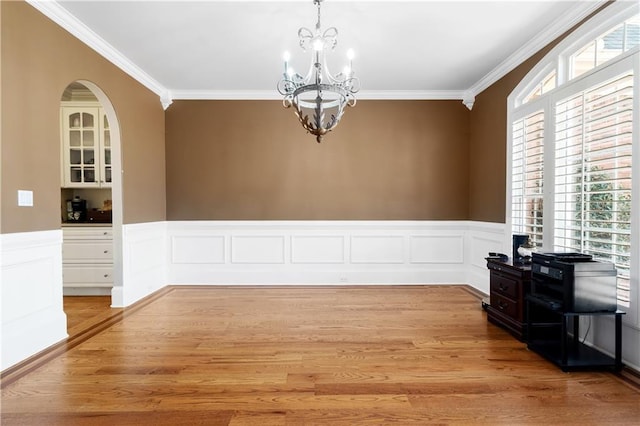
(86, 146)
(87, 258)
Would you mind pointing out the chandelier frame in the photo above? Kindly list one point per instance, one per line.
(320, 98)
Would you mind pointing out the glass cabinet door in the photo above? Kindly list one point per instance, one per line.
(81, 148)
(86, 147)
(106, 150)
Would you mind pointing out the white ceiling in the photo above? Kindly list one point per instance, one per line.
(233, 49)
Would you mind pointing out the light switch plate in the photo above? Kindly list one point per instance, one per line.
(25, 198)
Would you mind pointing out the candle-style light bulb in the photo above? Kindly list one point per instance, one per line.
(318, 44)
(286, 56)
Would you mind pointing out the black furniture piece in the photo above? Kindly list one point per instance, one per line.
(560, 343)
(567, 286)
(509, 283)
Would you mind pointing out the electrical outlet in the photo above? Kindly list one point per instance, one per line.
(344, 279)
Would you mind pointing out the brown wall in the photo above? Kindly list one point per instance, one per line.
(488, 146)
(39, 59)
(400, 160)
(412, 160)
(488, 141)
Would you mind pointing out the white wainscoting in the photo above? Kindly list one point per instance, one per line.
(602, 336)
(331, 252)
(32, 312)
(483, 238)
(144, 262)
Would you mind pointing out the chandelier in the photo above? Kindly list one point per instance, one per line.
(319, 98)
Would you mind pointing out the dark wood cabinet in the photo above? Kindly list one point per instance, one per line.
(508, 287)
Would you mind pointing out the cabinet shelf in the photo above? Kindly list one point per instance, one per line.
(579, 356)
(563, 347)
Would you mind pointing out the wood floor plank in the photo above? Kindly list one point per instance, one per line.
(310, 355)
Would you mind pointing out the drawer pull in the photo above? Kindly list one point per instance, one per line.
(502, 288)
(501, 306)
(106, 275)
(106, 251)
(104, 233)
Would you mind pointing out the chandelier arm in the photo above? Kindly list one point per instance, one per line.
(305, 35)
(331, 79)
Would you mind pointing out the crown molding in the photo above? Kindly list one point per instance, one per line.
(58, 14)
(550, 33)
(227, 95)
(412, 94)
(274, 95)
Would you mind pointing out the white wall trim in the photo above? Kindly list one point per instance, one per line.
(331, 252)
(31, 294)
(274, 95)
(554, 30)
(62, 17)
(312, 252)
(144, 262)
(73, 25)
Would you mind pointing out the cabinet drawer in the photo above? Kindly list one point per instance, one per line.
(504, 305)
(87, 251)
(87, 233)
(78, 274)
(504, 285)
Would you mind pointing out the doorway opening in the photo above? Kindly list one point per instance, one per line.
(90, 197)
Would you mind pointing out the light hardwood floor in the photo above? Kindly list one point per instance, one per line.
(309, 355)
(83, 312)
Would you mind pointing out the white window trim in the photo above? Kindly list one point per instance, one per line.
(559, 57)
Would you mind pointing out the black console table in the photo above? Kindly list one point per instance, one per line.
(554, 341)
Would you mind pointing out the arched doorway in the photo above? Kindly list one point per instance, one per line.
(91, 192)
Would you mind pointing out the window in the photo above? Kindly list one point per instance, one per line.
(593, 145)
(547, 83)
(612, 43)
(527, 174)
(573, 137)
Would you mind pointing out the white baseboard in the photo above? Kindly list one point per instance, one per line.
(86, 291)
(32, 312)
(602, 337)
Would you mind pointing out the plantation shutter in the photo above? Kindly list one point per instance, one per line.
(593, 175)
(526, 176)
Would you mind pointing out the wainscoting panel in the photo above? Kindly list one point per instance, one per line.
(377, 249)
(317, 249)
(437, 249)
(144, 262)
(257, 249)
(482, 238)
(326, 252)
(32, 312)
(197, 249)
